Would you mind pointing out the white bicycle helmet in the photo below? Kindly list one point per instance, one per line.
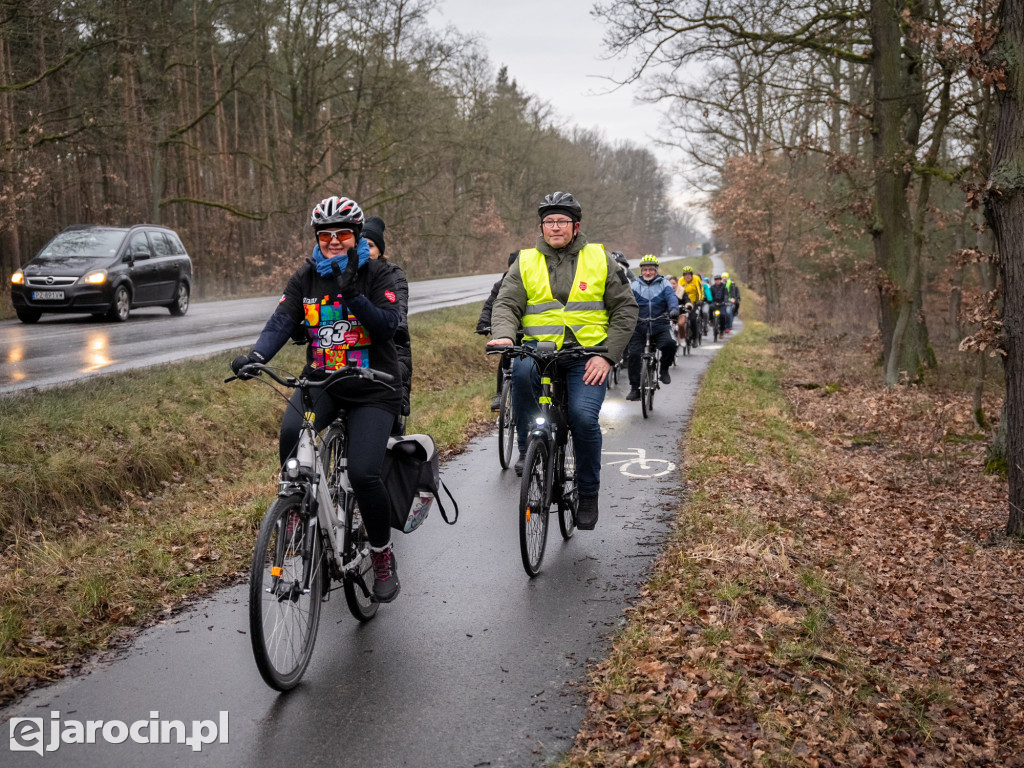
(337, 212)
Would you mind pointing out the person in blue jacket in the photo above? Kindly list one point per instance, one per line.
(656, 299)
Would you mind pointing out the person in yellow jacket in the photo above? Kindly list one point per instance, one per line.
(693, 291)
(569, 291)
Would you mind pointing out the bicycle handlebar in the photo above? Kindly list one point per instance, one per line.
(541, 355)
(256, 369)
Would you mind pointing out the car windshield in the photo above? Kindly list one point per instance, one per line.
(100, 244)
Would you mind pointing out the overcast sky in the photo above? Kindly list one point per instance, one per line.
(536, 38)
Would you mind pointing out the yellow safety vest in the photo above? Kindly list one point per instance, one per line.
(584, 313)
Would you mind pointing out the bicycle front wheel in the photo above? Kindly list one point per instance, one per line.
(359, 569)
(645, 384)
(570, 495)
(285, 589)
(506, 425)
(533, 507)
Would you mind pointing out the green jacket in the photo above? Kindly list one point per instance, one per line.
(510, 305)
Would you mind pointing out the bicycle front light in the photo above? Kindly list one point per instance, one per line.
(540, 421)
(291, 469)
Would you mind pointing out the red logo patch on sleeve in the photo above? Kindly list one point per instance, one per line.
(390, 296)
(583, 286)
(283, 297)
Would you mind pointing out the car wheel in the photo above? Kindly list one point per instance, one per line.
(29, 316)
(179, 306)
(121, 305)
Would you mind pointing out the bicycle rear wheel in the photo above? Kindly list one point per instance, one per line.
(284, 609)
(569, 499)
(645, 384)
(358, 583)
(506, 425)
(533, 507)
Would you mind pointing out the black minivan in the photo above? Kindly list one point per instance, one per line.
(106, 271)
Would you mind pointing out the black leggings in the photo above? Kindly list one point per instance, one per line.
(368, 429)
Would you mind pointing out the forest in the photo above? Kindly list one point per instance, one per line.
(862, 164)
(228, 120)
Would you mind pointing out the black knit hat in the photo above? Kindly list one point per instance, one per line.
(373, 230)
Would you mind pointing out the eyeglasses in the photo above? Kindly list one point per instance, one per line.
(341, 235)
(556, 223)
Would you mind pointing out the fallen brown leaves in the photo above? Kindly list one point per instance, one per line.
(850, 601)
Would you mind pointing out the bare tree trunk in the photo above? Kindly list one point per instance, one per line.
(1005, 211)
(894, 128)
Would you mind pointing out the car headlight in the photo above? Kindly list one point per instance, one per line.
(18, 278)
(95, 278)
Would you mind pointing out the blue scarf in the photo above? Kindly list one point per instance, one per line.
(325, 266)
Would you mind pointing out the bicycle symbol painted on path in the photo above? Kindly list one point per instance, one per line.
(638, 465)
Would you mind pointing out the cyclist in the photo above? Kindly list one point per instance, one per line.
(720, 299)
(623, 262)
(568, 291)
(693, 293)
(734, 298)
(348, 304)
(483, 327)
(373, 233)
(654, 297)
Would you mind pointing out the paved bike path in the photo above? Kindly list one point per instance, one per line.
(473, 665)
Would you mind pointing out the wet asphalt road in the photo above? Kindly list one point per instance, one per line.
(65, 348)
(473, 665)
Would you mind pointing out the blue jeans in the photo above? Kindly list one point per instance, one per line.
(728, 316)
(585, 402)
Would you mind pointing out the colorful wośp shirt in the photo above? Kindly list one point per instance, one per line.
(336, 337)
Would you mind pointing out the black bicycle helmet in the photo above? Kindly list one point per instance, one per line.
(620, 257)
(561, 202)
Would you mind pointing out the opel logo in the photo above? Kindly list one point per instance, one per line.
(49, 280)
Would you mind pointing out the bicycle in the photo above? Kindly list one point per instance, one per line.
(506, 414)
(506, 420)
(718, 321)
(549, 470)
(312, 535)
(650, 364)
(683, 330)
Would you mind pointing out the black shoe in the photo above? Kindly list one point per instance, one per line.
(586, 513)
(519, 465)
(496, 403)
(385, 575)
(634, 394)
(665, 378)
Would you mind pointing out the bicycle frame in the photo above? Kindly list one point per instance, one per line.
(304, 474)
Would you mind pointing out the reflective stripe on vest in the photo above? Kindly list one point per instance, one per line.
(584, 313)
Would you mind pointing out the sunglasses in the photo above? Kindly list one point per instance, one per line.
(341, 235)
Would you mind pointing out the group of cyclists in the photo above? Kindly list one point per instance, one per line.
(349, 305)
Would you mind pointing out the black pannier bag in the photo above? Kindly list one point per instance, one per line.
(411, 473)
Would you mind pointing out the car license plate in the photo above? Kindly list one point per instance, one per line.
(47, 295)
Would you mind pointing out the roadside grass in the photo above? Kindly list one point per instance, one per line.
(131, 494)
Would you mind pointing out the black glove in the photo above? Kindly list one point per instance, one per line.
(243, 360)
(674, 315)
(347, 279)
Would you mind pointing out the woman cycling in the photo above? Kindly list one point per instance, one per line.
(347, 304)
